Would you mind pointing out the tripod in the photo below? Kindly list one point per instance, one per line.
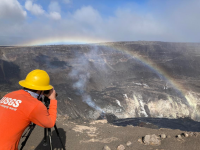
(46, 131)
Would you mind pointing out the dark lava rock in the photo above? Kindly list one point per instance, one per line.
(111, 117)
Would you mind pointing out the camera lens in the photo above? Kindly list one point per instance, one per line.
(46, 92)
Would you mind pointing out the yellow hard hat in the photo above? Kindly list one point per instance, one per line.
(37, 80)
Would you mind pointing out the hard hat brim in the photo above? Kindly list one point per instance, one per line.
(23, 83)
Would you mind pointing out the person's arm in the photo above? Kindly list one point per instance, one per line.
(43, 117)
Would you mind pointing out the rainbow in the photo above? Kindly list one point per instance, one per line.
(154, 67)
(61, 41)
(189, 99)
(76, 40)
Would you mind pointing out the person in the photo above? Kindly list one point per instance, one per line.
(19, 108)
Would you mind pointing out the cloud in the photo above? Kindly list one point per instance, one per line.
(34, 8)
(12, 10)
(55, 15)
(171, 21)
(179, 19)
(54, 6)
(124, 25)
(87, 16)
(54, 10)
(132, 26)
(67, 1)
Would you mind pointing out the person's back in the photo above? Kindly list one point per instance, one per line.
(17, 110)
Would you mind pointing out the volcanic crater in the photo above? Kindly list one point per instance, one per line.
(126, 79)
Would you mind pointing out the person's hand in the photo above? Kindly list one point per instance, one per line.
(52, 94)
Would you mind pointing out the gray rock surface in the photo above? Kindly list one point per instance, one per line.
(106, 148)
(120, 147)
(128, 143)
(163, 136)
(185, 134)
(152, 140)
(179, 136)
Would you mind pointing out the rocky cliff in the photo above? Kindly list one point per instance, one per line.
(127, 79)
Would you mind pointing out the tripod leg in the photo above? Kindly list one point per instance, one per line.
(50, 142)
(45, 137)
(56, 129)
(24, 142)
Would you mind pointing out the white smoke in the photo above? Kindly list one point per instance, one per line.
(87, 98)
(81, 79)
(81, 75)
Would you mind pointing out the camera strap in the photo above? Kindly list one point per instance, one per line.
(39, 95)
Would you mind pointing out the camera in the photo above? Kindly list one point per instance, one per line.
(48, 91)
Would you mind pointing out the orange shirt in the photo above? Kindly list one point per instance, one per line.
(17, 110)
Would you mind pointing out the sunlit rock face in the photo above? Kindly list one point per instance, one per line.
(127, 79)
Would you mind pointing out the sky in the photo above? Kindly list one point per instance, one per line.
(50, 22)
